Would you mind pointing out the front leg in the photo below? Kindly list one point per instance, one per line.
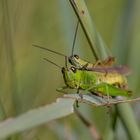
(78, 92)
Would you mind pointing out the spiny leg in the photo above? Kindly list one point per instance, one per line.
(77, 105)
(108, 102)
(78, 92)
(107, 94)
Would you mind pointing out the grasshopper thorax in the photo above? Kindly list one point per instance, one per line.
(69, 75)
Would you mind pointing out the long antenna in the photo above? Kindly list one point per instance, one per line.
(75, 37)
(49, 50)
(52, 63)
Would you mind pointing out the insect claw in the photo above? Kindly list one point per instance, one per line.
(77, 104)
(81, 95)
(108, 103)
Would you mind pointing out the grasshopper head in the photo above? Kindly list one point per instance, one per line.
(74, 60)
(69, 76)
(69, 71)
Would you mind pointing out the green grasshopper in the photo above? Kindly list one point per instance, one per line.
(100, 66)
(80, 63)
(98, 83)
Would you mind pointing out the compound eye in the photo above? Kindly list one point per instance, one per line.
(76, 56)
(73, 69)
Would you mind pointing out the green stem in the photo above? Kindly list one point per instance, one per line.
(129, 121)
(95, 41)
(110, 129)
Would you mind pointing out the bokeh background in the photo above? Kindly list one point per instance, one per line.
(27, 81)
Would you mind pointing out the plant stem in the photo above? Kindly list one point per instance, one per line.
(127, 117)
(95, 41)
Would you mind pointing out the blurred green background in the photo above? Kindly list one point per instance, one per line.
(27, 81)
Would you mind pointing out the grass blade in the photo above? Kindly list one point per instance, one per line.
(36, 117)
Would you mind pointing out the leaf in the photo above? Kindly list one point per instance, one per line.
(36, 117)
(62, 107)
(100, 101)
(87, 98)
